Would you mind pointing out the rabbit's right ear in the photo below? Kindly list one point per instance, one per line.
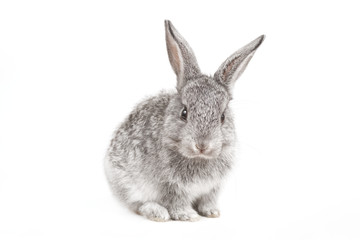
(235, 65)
(181, 56)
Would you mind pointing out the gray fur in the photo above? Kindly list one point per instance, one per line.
(153, 164)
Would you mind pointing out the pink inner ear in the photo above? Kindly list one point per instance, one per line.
(174, 55)
(227, 70)
(235, 68)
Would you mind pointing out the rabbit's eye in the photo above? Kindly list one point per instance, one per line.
(222, 118)
(184, 114)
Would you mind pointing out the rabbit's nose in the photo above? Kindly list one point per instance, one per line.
(201, 147)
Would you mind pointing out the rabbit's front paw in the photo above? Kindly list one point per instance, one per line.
(210, 212)
(154, 212)
(184, 215)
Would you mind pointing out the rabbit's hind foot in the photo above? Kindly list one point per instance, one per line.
(154, 212)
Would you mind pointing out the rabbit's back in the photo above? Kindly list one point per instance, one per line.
(130, 163)
(142, 129)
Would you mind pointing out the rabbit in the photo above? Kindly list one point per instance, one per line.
(168, 159)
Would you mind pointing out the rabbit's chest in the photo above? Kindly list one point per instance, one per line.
(201, 187)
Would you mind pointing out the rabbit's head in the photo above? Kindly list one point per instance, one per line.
(199, 123)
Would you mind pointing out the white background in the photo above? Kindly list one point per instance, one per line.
(70, 71)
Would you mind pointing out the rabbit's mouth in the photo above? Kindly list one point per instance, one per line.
(191, 150)
(205, 156)
(202, 153)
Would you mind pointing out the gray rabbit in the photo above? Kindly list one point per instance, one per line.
(168, 158)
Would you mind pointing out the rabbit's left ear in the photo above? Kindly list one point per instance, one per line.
(235, 65)
(181, 56)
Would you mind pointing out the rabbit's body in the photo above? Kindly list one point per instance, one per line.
(169, 157)
(148, 170)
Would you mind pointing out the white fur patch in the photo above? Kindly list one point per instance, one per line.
(139, 190)
(199, 188)
(142, 191)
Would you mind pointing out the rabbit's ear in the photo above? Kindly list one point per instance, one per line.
(235, 65)
(181, 56)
